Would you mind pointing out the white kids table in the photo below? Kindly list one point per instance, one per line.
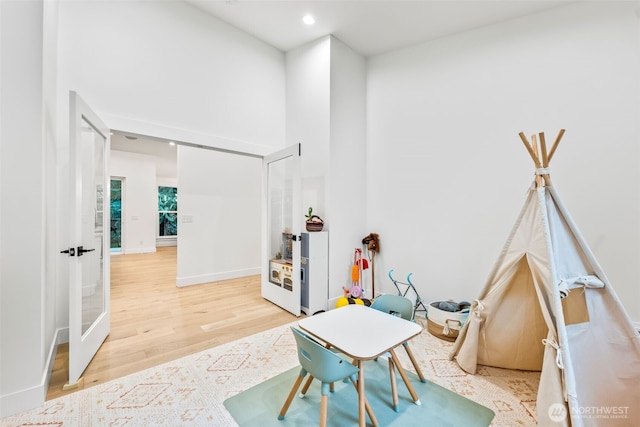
(364, 334)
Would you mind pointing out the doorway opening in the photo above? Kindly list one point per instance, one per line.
(138, 270)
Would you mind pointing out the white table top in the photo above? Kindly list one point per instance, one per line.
(359, 331)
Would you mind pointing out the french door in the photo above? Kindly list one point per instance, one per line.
(281, 223)
(89, 319)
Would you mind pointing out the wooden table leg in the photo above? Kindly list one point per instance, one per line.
(372, 416)
(403, 374)
(394, 390)
(362, 396)
(331, 387)
(361, 416)
(415, 363)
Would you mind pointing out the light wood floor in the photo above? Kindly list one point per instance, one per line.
(153, 321)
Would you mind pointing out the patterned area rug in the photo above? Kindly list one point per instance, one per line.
(190, 391)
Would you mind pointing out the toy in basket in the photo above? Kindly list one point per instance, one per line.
(446, 318)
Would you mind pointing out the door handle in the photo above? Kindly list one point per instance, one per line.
(70, 251)
(82, 250)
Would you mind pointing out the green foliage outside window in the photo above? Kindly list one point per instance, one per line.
(116, 213)
(168, 211)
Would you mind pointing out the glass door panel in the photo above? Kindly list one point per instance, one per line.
(91, 151)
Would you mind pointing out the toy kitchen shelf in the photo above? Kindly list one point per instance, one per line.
(314, 272)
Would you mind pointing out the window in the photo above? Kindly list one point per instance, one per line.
(116, 214)
(167, 211)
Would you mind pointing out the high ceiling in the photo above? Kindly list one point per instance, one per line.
(370, 27)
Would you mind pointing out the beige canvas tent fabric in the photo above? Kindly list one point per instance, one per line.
(548, 306)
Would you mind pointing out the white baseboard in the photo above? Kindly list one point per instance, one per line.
(33, 397)
(166, 242)
(63, 336)
(331, 304)
(149, 250)
(22, 400)
(216, 277)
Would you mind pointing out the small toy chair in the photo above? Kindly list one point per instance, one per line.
(323, 365)
(398, 305)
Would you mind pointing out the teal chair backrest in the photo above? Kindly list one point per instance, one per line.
(321, 363)
(394, 304)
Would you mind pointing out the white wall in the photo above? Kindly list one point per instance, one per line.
(140, 200)
(326, 114)
(27, 247)
(347, 165)
(447, 172)
(308, 118)
(165, 67)
(219, 215)
(52, 236)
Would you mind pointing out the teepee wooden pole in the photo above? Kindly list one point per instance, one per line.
(543, 150)
(555, 144)
(536, 149)
(545, 158)
(532, 153)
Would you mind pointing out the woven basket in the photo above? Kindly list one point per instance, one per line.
(444, 324)
(314, 223)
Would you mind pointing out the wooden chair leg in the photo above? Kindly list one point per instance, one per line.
(292, 393)
(305, 388)
(415, 363)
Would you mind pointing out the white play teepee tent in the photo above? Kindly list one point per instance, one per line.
(548, 306)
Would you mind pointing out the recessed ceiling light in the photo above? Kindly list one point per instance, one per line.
(308, 19)
(172, 143)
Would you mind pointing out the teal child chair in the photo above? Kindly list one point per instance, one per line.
(322, 365)
(398, 305)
